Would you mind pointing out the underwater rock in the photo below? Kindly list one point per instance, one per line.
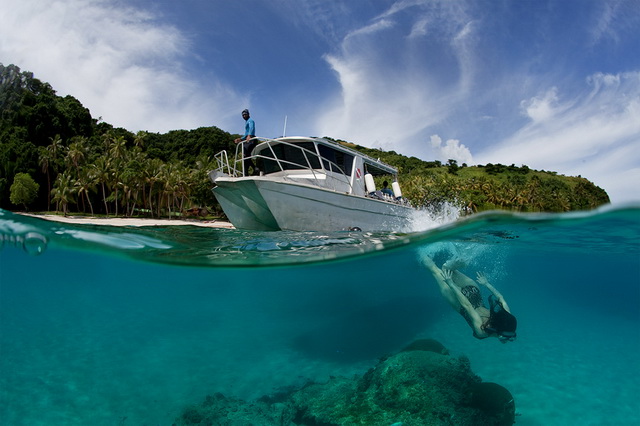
(431, 345)
(416, 387)
(220, 410)
(326, 403)
(495, 401)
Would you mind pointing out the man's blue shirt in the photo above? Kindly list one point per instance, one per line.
(249, 128)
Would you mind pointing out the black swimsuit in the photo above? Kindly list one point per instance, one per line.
(472, 293)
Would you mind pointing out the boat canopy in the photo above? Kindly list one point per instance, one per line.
(293, 153)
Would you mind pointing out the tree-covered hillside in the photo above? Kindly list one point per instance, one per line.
(85, 165)
(80, 164)
(491, 186)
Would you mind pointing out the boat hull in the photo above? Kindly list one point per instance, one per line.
(267, 205)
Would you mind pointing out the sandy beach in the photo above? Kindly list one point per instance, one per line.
(124, 221)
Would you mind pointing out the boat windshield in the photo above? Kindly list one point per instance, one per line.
(291, 157)
(302, 155)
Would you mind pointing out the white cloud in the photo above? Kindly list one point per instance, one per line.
(596, 135)
(369, 29)
(399, 6)
(327, 19)
(119, 61)
(541, 108)
(613, 21)
(617, 171)
(375, 111)
(389, 97)
(420, 28)
(452, 149)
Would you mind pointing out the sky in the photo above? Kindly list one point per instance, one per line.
(551, 84)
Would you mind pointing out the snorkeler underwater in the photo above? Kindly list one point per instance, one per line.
(464, 295)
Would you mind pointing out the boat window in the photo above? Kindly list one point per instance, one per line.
(268, 165)
(347, 161)
(332, 157)
(292, 157)
(328, 155)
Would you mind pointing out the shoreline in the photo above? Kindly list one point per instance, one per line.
(125, 221)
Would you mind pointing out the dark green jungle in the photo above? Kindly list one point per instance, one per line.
(55, 156)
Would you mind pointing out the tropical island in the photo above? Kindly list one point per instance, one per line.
(54, 156)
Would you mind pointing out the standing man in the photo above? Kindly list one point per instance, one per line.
(249, 142)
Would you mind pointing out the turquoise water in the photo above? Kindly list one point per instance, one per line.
(127, 326)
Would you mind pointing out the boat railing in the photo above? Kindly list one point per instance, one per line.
(311, 162)
(235, 169)
(222, 163)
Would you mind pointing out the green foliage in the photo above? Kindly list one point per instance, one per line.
(91, 166)
(32, 114)
(24, 189)
(474, 190)
(452, 167)
(189, 145)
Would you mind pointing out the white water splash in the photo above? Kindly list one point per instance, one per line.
(434, 216)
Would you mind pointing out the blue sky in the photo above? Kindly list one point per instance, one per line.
(551, 84)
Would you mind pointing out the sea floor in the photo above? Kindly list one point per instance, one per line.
(558, 376)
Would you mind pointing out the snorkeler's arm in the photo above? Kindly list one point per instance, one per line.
(482, 280)
(464, 302)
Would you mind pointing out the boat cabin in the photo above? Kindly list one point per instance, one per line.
(324, 163)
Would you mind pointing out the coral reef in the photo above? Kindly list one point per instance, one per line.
(419, 386)
(220, 410)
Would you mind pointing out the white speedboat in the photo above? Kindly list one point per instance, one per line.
(308, 184)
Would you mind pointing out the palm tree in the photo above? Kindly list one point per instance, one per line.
(102, 172)
(117, 152)
(133, 179)
(533, 193)
(139, 140)
(183, 186)
(153, 173)
(199, 185)
(77, 153)
(49, 159)
(56, 148)
(63, 192)
(137, 164)
(171, 185)
(45, 160)
(86, 182)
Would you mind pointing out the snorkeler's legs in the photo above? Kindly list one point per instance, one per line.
(426, 260)
(460, 279)
(454, 263)
(441, 277)
(430, 264)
